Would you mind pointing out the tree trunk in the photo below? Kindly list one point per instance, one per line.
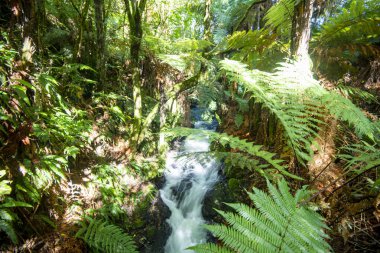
(23, 25)
(40, 24)
(207, 21)
(134, 11)
(82, 25)
(100, 40)
(301, 28)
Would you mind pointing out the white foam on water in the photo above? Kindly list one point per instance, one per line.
(188, 179)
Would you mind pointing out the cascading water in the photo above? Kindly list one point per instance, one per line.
(188, 179)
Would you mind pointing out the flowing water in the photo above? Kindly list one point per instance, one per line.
(188, 179)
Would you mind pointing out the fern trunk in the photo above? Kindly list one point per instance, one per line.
(301, 28)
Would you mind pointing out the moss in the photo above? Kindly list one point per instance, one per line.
(233, 185)
(138, 222)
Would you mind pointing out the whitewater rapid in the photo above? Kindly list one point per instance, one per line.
(188, 179)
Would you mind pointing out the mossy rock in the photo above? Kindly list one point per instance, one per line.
(233, 172)
(138, 222)
(215, 199)
(234, 185)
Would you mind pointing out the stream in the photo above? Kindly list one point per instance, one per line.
(188, 179)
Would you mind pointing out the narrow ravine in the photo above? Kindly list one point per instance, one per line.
(188, 179)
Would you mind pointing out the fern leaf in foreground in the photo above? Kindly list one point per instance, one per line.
(210, 248)
(279, 223)
(105, 237)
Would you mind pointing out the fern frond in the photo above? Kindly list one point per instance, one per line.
(257, 48)
(191, 45)
(356, 30)
(279, 16)
(248, 161)
(343, 109)
(248, 156)
(232, 238)
(286, 95)
(298, 101)
(230, 15)
(189, 63)
(357, 93)
(7, 227)
(106, 237)
(209, 248)
(359, 23)
(7, 216)
(247, 228)
(280, 223)
(361, 157)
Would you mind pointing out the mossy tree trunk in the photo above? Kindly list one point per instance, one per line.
(134, 11)
(207, 21)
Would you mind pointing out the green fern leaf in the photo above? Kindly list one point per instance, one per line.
(361, 157)
(298, 101)
(103, 236)
(286, 95)
(7, 227)
(355, 26)
(209, 248)
(343, 109)
(279, 223)
(357, 93)
(279, 16)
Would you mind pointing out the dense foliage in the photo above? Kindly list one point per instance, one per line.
(93, 92)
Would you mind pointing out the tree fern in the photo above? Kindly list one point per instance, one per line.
(298, 101)
(279, 223)
(104, 237)
(258, 48)
(287, 94)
